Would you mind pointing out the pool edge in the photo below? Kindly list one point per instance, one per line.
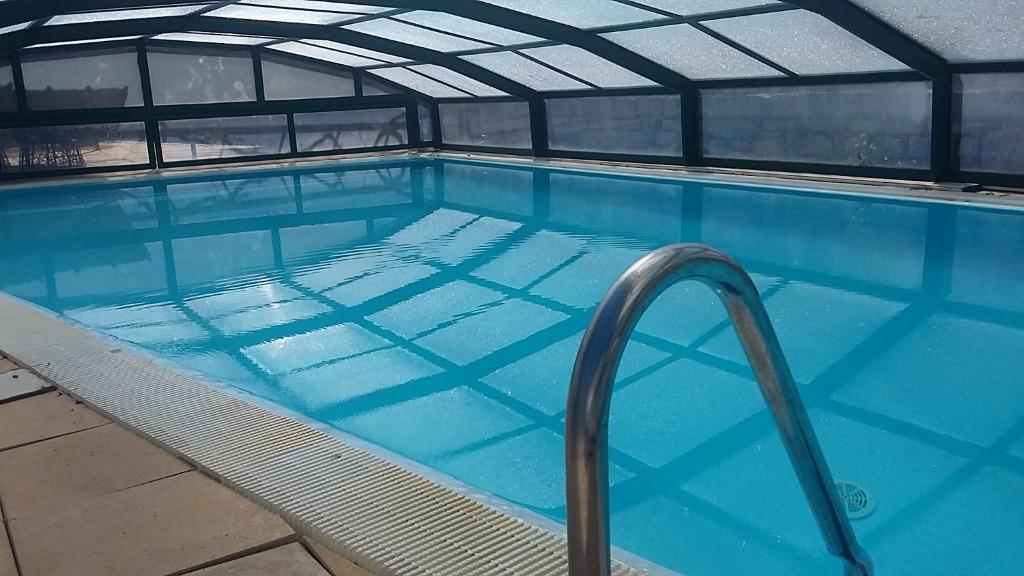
(363, 506)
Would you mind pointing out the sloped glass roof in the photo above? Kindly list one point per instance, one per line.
(133, 14)
(212, 38)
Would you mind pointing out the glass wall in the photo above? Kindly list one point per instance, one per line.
(215, 138)
(341, 130)
(8, 98)
(201, 76)
(82, 79)
(991, 128)
(639, 125)
(48, 148)
(426, 120)
(287, 78)
(486, 124)
(884, 125)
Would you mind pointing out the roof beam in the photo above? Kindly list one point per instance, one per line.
(879, 34)
(151, 26)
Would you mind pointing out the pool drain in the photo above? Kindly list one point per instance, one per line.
(859, 504)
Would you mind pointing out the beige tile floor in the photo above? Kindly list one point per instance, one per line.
(83, 496)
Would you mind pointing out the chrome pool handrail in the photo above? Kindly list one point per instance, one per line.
(586, 424)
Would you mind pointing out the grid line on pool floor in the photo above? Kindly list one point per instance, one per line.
(373, 511)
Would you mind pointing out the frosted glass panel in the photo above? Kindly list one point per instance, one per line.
(691, 52)
(958, 29)
(357, 51)
(457, 80)
(588, 66)
(691, 7)
(290, 79)
(318, 53)
(805, 42)
(318, 5)
(426, 120)
(246, 12)
(494, 124)
(525, 71)
(133, 14)
(885, 124)
(418, 82)
(393, 30)
(466, 27)
(71, 147)
(344, 130)
(580, 13)
(373, 88)
(14, 28)
(79, 42)
(213, 38)
(8, 99)
(187, 76)
(991, 132)
(83, 79)
(648, 125)
(211, 138)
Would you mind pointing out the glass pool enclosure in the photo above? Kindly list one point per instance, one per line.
(427, 295)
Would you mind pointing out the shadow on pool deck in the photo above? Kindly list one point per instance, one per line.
(83, 496)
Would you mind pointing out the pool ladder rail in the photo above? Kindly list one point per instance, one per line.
(586, 423)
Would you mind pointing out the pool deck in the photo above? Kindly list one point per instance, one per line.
(81, 495)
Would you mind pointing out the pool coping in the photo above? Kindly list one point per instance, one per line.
(384, 516)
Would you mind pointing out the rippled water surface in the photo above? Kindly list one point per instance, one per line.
(434, 308)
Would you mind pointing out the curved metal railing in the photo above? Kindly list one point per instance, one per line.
(594, 374)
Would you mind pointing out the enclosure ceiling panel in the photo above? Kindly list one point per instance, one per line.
(588, 66)
(14, 28)
(324, 54)
(318, 5)
(133, 14)
(525, 71)
(457, 80)
(958, 30)
(419, 82)
(213, 38)
(580, 13)
(692, 7)
(467, 27)
(273, 14)
(805, 43)
(690, 52)
(409, 34)
(77, 42)
(373, 54)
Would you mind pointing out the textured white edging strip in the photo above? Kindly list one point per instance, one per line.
(368, 509)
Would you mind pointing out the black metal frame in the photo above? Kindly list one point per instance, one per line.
(922, 62)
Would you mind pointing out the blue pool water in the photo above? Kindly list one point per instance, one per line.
(434, 308)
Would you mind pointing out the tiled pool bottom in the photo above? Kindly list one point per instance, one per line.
(435, 308)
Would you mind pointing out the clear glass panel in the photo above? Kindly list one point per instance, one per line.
(8, 99)
(373, 88)
(14, 28)
(194, 76)
(90, 41)
(210, 138)
(324, 54)
(292, 79)
(71, 147)
(82, 79)
(408, 34)
(357, 51)
(133, 14)
(457, 80)
(348, 129)
(885, 124)
(691, 7)
(991, 131)
(805, 42)
(426, 120)
(588, 66)
(417, 82)
(487, 124)
(466, 27)
(525, 71)
(647, 125)
(691, 52)
(580, 13)
(213, 38)
(272, 14)
(958, 29)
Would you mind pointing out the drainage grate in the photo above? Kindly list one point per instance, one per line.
(859, 504)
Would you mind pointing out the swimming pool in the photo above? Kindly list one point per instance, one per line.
(434, 308)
